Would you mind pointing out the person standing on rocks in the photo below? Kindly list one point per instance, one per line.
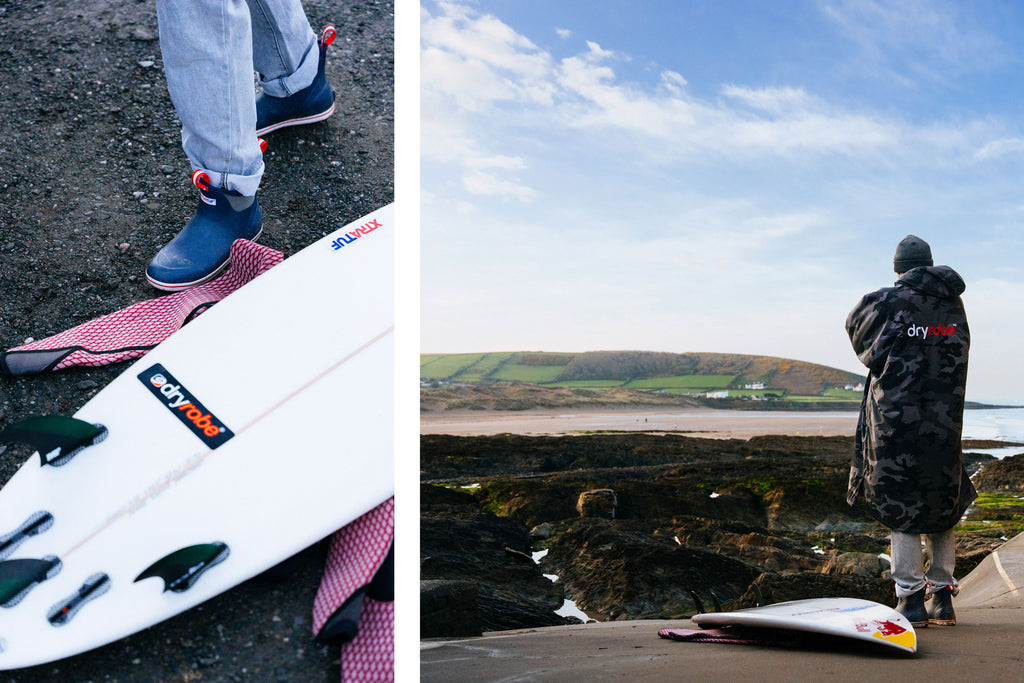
(210, 49)
(908, 463)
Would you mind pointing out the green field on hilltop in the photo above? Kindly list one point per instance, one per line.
(531, 374)
(844, 394)
(443, 366)
(531, 368)
(482, 368)
(675, 376)
(819, 399)
(691, 382)
(589, 384)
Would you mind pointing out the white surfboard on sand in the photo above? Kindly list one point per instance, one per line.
(257, 429)
(845, 617)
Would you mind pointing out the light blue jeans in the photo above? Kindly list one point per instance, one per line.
(908, 562)
(210, 49)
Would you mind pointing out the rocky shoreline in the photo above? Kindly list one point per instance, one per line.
(658, 526)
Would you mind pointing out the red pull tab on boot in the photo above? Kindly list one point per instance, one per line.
(200, 179)
(328, 35)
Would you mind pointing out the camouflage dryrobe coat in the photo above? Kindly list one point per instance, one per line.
(908, 463)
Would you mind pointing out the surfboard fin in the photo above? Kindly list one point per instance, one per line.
(761, 602)
(696, 602)
(182, 568)
(57, 438)
(65, 610)
(37, 523)
(18, 577)
(343, 625)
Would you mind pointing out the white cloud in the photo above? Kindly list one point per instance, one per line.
(499, 161)
(673, 83)
(481, 183)
(581, 204)
(914, 40)
(777, 101)
(563, 32)
(995, 312)
(1000, 148)
(474, 64)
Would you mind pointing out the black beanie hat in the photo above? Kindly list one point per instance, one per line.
(911, 252)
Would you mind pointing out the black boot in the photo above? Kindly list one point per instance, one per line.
(940, 608)
(912, 607)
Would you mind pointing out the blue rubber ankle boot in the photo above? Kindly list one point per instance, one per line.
(309, 105)
(201, 250)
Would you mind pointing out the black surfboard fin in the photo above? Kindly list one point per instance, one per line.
(343, 625)
(18, 577)
(182, 568)
(382, 586)
(696, 602)
(65, 610)
(716, 601)
(56, 437)
(37, 523)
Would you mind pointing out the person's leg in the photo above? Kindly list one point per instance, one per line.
(207, 52)
(907, 563)
(291, 64)
(284, 46)
(941, 550)
(908, 575)
(207, 48)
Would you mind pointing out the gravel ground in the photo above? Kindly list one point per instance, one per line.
(93, 182)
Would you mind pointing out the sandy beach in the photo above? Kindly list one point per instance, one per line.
(705, 422)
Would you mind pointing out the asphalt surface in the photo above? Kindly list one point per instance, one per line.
(984, 645)
(93, 182)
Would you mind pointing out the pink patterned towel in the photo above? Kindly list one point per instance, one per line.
(355, 602)
(736, 635)
(133, 331)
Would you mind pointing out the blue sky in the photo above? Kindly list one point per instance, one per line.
(716, 176)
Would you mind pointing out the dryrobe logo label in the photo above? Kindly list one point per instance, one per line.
(184, 406)
(353, 235)
(924, 331)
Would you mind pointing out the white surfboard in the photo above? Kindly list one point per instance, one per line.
(256, 430)
(846, 617)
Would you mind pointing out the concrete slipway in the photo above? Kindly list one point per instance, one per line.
(986, 644)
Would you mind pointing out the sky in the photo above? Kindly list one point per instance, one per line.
(716, 176)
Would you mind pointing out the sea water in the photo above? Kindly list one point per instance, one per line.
(1001, 424)
(996, 424)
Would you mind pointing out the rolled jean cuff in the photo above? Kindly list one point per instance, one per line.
(245, 185)
(935, 588)
(904, 591)
(298, 80)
